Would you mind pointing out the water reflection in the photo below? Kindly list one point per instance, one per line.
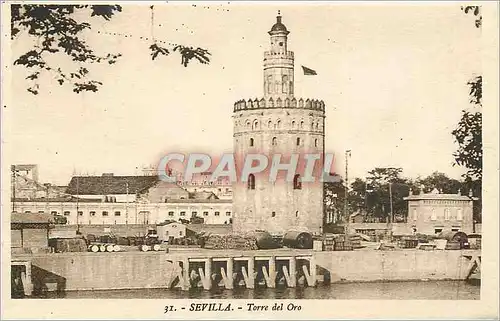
(430, 290)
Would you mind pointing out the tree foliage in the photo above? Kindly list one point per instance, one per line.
(57, 31)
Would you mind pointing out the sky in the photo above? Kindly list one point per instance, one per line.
(393, 78)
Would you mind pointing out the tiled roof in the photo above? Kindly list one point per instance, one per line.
(31, 218)
(443, 197)
(107, 184)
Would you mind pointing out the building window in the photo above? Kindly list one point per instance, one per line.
(53, 213)
(284, 82)
(274, 141)
(255, 124)
(193, 214)
(205, 213)
(170, 213)
(297, 214)
(117, 213)
(438, 230)
(251, 141)
(293, 124)
(66, 213)
(459, 214)
(182, 213)
(28, 212)
(41, 212)
(297, 183)
(80, 213)
(414, 212)
(316, 142)
(217, 213)
(180, 233)
(269, 84)
(228, 213)
(446, 214)
(455, 229)
(251, 181)
(278, 124)
(273, 214)
(298, 141)
(104, 213)
(92, 213)
(433, 215)
(269, 124)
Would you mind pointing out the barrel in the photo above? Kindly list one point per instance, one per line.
(110, 248)
(459, 237)
(102, 248)
(298, 239)
(144, 248)
(94, 248)
(156, 247)
(116, 248)
(264, 240)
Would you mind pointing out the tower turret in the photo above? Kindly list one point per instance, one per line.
(278, 64)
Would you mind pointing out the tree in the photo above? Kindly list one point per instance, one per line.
(56, 31)
(440, 181)
(468, 133)
(334, 197)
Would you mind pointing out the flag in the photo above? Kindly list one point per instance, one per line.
(308, 71)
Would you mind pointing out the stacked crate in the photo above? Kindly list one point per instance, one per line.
(328, 243)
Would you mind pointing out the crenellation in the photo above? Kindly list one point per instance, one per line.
(310, 104)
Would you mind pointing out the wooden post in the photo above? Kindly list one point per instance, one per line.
(230, 279)
(185, 284)
(293, 272)
(251, 268)
(270, 275)
(312, 268)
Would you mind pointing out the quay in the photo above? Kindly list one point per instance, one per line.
(187, 268)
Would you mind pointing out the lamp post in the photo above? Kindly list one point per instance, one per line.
(346, 190)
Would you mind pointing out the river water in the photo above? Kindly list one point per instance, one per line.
(407, 290)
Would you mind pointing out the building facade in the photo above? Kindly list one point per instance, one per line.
(212, 211)
(277, 123)
(433, 213)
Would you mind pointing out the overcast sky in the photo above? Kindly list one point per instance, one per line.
(393, 79)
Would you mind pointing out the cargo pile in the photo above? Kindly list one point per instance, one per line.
(408, 242)
(328, 243)
(68, 245)
(230, 241)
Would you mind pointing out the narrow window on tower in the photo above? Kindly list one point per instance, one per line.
(269, 84)
(273, 214)
(298, 141)
(291, 87)
(293, 124)
(274, 141)
(316, 142)
(269, 124)
(251, 181)
(278, 124)
(251, 142)
(301, 124)
(297, 183)
(284, 84)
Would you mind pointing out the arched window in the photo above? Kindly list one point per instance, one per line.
(298, 141)
(269, 84)
(459, 214)
(248, 124)
(251, 141)
(269, 124)
(274, 141)
(446, 214)
(297, 183)
(278, 124)
(255, 124)
(284, 84)
(297, 214)
(302, 124)
(293, 124)
(433, 215)
(316, 142)
(251, 181)
(277, 87)
(273, 214)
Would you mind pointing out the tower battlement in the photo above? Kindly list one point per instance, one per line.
(312, 104)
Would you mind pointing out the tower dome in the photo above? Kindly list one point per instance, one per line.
(278, 27)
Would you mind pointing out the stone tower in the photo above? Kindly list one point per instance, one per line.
(277, 123)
